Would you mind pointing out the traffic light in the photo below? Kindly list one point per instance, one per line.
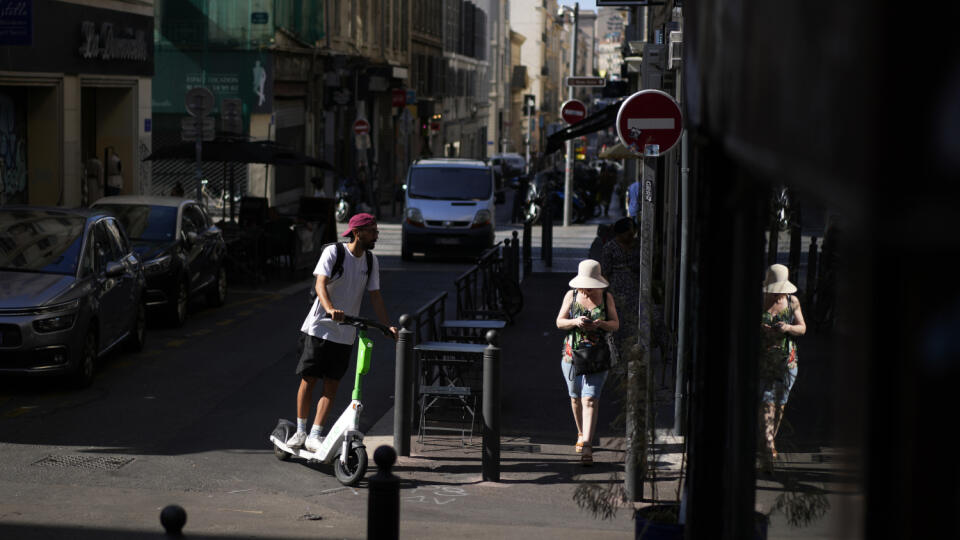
(529, 104)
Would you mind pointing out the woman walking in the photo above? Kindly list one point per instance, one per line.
(781, 323)
(586, 313)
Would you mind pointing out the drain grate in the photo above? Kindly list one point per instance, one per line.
(93, 463)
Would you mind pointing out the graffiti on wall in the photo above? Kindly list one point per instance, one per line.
(145, 169)
(13, 150)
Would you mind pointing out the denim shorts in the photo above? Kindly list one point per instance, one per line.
(582, 385)
(781, 389)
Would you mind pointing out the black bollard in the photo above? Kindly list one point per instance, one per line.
(173, 517)
(506, 254)
(383, 503)
(527, 248)
(515, 257)
(403, 388)
(491, 409)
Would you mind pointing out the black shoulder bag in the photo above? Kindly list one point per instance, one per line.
(592, 358)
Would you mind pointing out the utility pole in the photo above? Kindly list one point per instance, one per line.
(568, 173)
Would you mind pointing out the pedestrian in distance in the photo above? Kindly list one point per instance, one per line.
(343, 273)
(633, 201)
(781, 323)
(604, 234)
(620, 261)
(588, 312)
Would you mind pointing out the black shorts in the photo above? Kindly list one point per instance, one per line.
(322, 358)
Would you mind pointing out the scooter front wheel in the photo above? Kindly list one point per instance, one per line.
(349, 474)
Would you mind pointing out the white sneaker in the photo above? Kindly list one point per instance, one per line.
(313, 443)
(296, 440)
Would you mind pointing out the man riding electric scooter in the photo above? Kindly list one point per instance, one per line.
(343, 273)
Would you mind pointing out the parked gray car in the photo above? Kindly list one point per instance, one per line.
(71, 290)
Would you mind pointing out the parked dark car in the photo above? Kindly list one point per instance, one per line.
(182, 250)
(71, 290)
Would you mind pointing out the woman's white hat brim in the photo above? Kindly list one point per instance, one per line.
(587, 282)
(780, 287)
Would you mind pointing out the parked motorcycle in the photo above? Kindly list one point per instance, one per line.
(350, 199)
(547, 187)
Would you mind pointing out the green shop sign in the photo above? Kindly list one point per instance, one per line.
(243, 75)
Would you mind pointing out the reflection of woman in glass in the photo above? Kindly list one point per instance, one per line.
(781, 323)
(259, 82)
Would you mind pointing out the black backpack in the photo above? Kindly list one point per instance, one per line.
(337, 269)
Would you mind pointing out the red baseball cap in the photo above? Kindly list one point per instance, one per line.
(360, 220)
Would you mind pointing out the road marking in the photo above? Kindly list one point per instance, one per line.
(225, 322)
(245, 312)
(241, 511)
(176, 342)
(200, 332)
(19, 411)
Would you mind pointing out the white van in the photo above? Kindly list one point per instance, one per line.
(448, 208)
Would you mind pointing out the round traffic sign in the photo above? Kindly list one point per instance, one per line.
(573, 111)
(649, 118)
(198, 101)
(361, 126)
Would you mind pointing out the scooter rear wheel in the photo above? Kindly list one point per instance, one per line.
(280, 453)
(356, 466)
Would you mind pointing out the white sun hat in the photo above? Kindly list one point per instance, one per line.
(588, 276)
(777, 282)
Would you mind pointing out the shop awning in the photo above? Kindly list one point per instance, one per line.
(602, 119)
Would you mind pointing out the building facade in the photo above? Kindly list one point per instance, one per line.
(75, 98)
(465, 104)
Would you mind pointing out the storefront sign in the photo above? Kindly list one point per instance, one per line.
(16, 22)
(105, 45)
(75, 38)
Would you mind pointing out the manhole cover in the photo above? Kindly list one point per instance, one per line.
(99, 463)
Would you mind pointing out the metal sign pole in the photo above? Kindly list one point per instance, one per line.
(568, 173)
(198, 147)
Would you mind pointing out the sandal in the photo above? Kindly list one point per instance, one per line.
(578, 448)
(586, 458)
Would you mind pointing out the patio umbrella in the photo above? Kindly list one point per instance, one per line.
(239, 151)
(230, 150)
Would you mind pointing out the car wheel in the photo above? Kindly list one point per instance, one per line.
(217, 294)
(83, 376)
(178, 309)
(138, 334)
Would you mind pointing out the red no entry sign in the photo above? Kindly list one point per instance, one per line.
(649, 117)
(573, 111)
(361, 126)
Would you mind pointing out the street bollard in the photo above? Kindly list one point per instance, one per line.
(491, 408)
(173, 517)
(527, 248)
(810, 302)
(403, 388)
(507, 255)
(383, 502)
(515, 257)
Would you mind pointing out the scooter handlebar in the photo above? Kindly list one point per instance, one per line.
(363, 324)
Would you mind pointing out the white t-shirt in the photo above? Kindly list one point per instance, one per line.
(345, 293)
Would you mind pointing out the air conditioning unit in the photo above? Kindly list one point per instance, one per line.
(676, 50)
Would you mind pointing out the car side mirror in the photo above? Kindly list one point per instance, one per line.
(114, 269)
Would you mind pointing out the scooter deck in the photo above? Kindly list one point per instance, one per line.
(299, 452)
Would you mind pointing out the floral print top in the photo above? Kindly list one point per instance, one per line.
(784, 345)
(576, 336)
